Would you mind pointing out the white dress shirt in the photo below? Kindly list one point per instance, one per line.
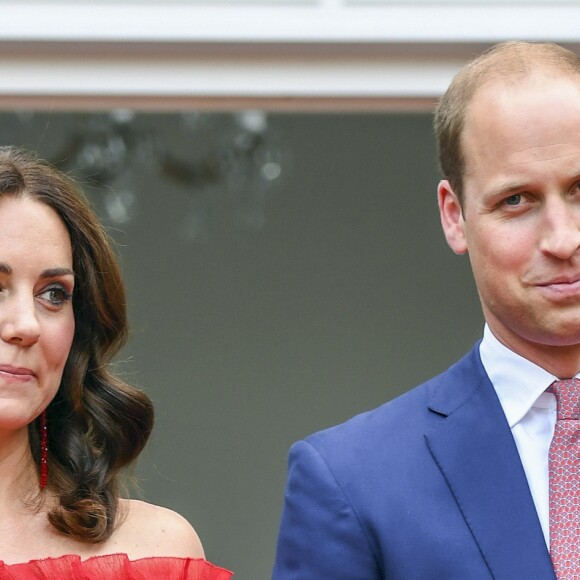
(530, 412)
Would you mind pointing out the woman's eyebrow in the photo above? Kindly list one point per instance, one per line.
(55, 272)
(48, 273)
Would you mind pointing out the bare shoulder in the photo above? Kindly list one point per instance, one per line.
(150, 530)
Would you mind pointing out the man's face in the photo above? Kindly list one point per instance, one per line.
(520, 221)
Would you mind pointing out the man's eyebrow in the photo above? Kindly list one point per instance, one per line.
(515, 186)
(5, 268)
(508, 188)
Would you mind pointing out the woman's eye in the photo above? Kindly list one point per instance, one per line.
(56, 295)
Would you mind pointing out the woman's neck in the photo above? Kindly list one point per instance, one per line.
(17, 470)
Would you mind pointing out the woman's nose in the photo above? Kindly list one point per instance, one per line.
(19, 322)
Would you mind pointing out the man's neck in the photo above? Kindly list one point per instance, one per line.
(562, 361)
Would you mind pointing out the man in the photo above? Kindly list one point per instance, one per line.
(453, 479)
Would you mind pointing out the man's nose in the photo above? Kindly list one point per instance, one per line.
(19, 322)
(561, 230)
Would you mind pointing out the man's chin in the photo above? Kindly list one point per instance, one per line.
(564, 336)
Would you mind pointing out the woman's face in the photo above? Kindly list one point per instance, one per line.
(36, 315)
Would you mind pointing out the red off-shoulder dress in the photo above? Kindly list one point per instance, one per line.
(114, 567)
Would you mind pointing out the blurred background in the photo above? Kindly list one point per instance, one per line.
(268, 173)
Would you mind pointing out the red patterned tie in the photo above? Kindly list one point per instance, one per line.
(565, 481)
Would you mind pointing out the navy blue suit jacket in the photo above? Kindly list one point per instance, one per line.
(428, 486)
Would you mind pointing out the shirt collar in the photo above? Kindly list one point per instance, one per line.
(519, 383)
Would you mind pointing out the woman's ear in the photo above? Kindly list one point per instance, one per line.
(451, 217)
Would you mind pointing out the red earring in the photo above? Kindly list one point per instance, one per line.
(43, 451)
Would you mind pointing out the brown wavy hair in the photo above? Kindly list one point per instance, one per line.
(97, 424)
(508, 62)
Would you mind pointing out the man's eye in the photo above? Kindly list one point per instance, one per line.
(513, 199)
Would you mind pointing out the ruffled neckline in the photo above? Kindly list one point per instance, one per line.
(113, 567)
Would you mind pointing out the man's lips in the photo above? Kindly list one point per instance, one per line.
(561, 287)
(572, 279)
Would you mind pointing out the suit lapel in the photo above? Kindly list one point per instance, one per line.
(475, 451)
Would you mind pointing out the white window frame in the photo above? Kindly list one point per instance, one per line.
(278, 54)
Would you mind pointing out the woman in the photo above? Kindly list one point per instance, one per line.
(68, 427)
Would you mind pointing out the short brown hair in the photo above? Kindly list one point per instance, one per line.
(505, 61)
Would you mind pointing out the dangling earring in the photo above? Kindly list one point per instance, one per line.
(43, 451)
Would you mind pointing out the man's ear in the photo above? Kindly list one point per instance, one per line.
(451, 217)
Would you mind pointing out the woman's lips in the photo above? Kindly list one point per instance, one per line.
(16, 373)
